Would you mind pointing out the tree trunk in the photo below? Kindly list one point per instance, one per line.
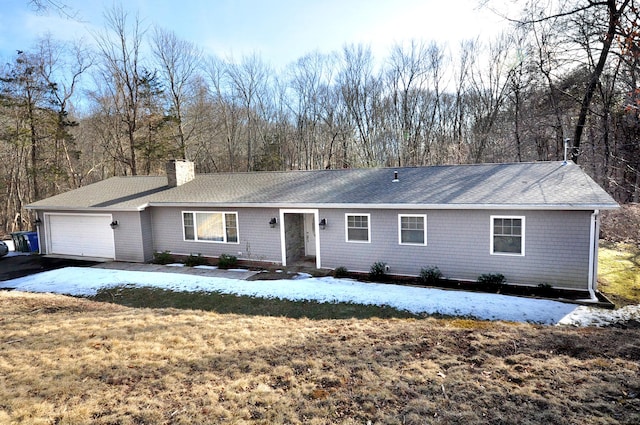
(614, 18)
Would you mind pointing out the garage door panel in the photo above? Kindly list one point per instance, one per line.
(81, 235)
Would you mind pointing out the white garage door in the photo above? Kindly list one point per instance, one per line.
(81, 235)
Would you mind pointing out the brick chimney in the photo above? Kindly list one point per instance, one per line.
(179, 171)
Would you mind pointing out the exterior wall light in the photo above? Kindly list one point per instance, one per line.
(37, 221)
(273, 222)
(323, 223)
(114, 224)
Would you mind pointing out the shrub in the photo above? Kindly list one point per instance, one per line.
(163, 257)
(340, 272)
(546, 289)
(378, 271)
(195, 260)
(430, 275)
(226, 261)
(492, 281)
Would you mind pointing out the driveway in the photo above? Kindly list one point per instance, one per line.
(14, 266)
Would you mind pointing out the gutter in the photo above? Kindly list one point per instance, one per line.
(387, 206)
(86, 209)
(593, 255)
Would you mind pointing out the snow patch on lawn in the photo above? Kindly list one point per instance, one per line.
(87, 281)
(593, 316)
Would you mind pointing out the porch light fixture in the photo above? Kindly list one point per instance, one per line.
(323, 223)
(273, 222)
(114, 224)
(37, 221)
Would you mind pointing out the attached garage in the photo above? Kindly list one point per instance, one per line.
(81, 235)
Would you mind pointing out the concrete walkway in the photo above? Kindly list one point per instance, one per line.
(209, 271)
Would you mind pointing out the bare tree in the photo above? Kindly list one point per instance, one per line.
(309, 78)
(408, 77)
(122, 72)
(250, 83)
(605, 26)
(461, 75)
(487, 93)
(228, 108)
(60, 7)
(362, 93)
(179, 62)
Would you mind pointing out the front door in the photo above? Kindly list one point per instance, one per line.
(298, 233)
(309, 235)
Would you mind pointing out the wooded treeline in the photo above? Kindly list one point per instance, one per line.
(73, 115)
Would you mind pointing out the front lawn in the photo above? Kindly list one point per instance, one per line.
(148, 297)
(215, 358)
(619, 273)
(67, 360)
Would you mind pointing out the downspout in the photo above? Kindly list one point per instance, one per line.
(38, 226)
(593, 255)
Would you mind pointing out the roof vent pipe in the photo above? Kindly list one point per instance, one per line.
(395, 176)
(566, 148)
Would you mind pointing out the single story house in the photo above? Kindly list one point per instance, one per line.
(532, 222)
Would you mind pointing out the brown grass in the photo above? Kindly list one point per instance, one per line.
(70, 361)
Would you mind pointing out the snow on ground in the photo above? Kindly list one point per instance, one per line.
(87, 281)
(592, 316)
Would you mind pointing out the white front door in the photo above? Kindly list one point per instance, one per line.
(309, 235)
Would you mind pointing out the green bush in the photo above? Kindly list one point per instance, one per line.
(340, 272)
(195, 260)
(492, 281)
(430, 275)
(163, 257)
(226, 261)
(546, 289)
(378, 271)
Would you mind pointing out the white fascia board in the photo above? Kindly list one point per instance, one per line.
(550, 207)
(86, 209)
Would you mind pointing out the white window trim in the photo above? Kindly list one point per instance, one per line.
(224, 223)
(424, 217)
(346, 227)
(519, 217)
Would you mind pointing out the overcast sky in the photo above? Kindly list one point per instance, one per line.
(280, 31)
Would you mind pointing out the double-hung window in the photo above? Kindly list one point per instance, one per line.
(412, 229)
(507, 235)
(358, 227)
(210, 226)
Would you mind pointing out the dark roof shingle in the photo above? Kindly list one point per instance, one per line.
(552, 185)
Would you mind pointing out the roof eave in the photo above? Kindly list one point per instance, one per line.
(550, 207)
(85, 209)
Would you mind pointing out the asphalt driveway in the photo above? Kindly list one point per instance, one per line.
(12, 267)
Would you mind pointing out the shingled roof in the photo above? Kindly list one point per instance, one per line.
(536, 185)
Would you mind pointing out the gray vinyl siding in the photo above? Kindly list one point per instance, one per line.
(458, 243)
(128, 236)
(257, 241)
